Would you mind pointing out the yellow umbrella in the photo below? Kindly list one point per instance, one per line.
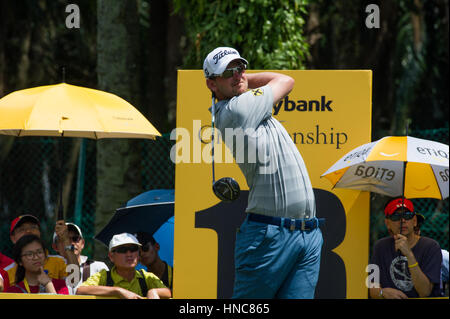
(69, 110)
(395, 166)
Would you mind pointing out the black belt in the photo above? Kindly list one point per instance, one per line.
(291, 223)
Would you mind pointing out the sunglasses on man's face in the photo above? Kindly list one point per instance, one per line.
(124, 249)
(405, 215)
(228, 73)
(75, 239)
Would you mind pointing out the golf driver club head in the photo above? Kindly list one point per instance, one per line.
(226, 189)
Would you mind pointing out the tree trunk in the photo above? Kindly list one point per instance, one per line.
(118, 160)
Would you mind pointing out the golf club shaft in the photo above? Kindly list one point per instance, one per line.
(213, 115)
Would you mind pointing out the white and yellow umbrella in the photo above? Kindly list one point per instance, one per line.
(395, 166)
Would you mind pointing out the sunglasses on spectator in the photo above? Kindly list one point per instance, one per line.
(75, 238)
(124, 249)
(405, 215)
(228, 73)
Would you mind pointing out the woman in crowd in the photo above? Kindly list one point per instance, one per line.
(29, 253)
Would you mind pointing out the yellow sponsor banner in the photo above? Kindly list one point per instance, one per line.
(327, 114)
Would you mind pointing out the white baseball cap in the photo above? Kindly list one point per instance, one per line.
(70, 226)
(123, 239)
(217, 60)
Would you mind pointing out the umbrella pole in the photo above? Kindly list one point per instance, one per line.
(60, 158)
(404, 178)
(403, 187)
(61, 153)
(80, 182)
(403, 201)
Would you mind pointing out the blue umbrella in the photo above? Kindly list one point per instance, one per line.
(150, 212)
(164, 236)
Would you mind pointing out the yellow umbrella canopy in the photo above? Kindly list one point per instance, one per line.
(74, 111)
(71, 111)
(395, 166)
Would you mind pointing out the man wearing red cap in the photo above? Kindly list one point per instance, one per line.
(55, 265)
(409, 264)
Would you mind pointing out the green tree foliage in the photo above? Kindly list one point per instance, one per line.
(268, 33)
(408, 55)
(430, 103)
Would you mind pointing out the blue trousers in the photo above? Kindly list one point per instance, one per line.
(275, 262)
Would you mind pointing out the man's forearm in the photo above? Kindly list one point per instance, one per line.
(256, 80)
(163, 293)
(281, 84)
(71, 258)
(421, 282)
(98, 291)
(62, 232)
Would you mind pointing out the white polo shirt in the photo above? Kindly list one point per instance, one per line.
(95, 267)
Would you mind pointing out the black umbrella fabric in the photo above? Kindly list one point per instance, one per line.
(144, 213)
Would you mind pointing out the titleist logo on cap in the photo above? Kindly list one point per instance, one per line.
(223, 53)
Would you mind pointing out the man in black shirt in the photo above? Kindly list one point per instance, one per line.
(409, 264)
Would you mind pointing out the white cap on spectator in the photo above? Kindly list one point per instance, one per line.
(123, 239)
(70, 226)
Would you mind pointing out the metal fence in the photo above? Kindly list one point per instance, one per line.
(29, 183)
(29, 179)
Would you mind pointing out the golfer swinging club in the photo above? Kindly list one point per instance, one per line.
(278, 246)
